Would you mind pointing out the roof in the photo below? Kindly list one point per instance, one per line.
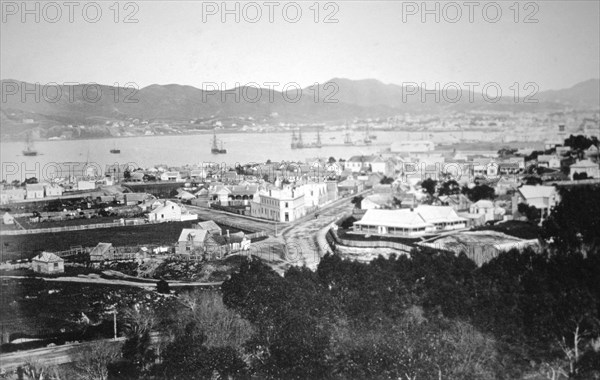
(529, 191)
(196, 235)
(361, 159)
(100, 249)
(135, 196)
(422, 216)
(584, 164)
(209, 225)
(247, 189)
(404, 218)
(34, 186)
(438, 214)
(165, 206)
(380, 199)
(185, 195)
(237, 237)
(546, 157)
(48, 257)
(484, 203)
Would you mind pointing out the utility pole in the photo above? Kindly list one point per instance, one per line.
(115, 322)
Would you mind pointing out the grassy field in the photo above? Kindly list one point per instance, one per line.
(73, 222)
(52, 311)
(522, 230)
(27, 246)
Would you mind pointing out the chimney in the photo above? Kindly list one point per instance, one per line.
(227, 233)
(412, 209)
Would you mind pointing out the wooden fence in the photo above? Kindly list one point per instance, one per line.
(332, 237)
(61, 229)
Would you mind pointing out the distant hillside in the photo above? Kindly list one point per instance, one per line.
(338, 99)
(584, 94)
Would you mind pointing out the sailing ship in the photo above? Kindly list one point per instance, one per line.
(367, 140)
(114, 150)
(297, 140)
(215, 149)
(348, 139)
(318, 143)
(29, 150)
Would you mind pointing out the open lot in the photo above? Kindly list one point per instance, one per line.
(27, 246)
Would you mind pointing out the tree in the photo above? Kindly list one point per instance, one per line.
(506, 152)
(30, 181)
(93, 362)
(531, 213)
(450, 187)
(187, 357)
(580, 176)
(574, 221)
(386, 180)
(163, 287)
(429, 185)
(532, 180)
(357, 201)
(479, 192)
(331, 160)
(580, 143)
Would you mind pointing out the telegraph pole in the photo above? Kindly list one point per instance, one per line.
(115, 323)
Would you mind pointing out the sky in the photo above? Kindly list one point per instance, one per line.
(188, 43)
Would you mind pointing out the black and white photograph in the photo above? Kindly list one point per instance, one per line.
(308, 190)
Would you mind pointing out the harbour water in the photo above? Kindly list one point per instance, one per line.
(179, 150)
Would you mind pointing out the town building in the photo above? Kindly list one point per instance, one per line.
(585, 166)
(53, 190)
(12, 195)
(34, 191)
(541, 197)
(171, 176)
(8, 219)
(358, 164)
(280, 205)
(550, 161)
(192, 241)
(415, 222)
(170, 212)
(488, 210)
(48, 263)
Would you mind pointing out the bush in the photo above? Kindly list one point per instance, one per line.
(163, 287)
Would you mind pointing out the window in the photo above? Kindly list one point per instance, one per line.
(55, 265)
(286, 204)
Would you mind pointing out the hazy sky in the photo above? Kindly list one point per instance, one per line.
(171, 43)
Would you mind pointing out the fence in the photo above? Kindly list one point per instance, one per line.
(333, 237)
(60, 229)
(256, 235)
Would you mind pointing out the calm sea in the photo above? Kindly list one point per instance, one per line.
(194, 149)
